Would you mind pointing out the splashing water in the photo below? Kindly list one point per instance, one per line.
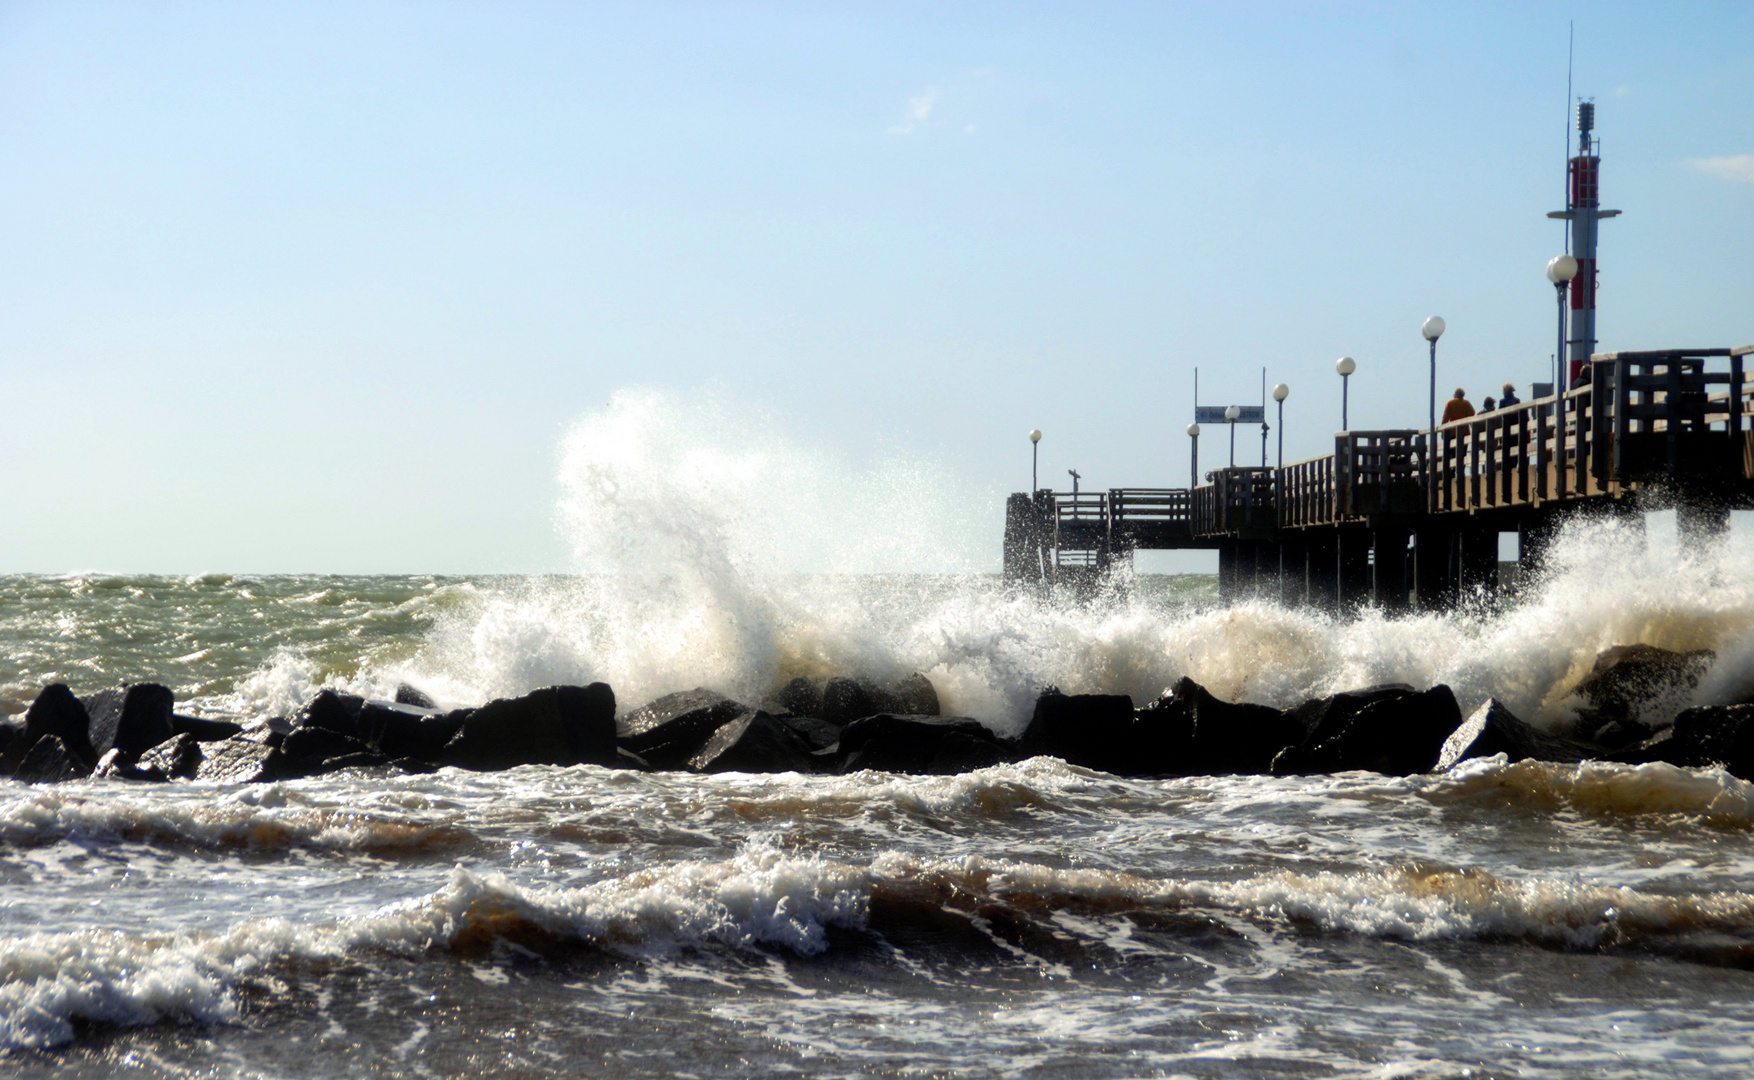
(718, 552)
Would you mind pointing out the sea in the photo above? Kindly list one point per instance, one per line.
(1031, 920)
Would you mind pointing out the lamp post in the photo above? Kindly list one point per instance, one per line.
(1345, 366)
(1075, 478)
(1280, 393)
(1034, 460)
(1560, 270)
(1231, 412)
(1194, 462)
(1432, 329)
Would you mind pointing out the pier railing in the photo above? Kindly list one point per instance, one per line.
(1679, 417)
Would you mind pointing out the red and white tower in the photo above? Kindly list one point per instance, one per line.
(1583, 212)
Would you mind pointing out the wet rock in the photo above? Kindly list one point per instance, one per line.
(1226, 737)
(845, 700)
(1397, 734)
(672, 729)
(57, 712)
(927, 745)
(409, 695)
(800, 697)
(1323, 717)
(50, 762)
(915, 695)
(239, 760)
(331, 710)
(1634, 681)
(841, 699)
(177, 758)
(11, 732)
(627, 759)
(1494, 729)
(819, 734)
(557, 725)
(118, 765)
(407, 731)
(1708, 736)
(132, 719)
(1101, 731)
(306, 748)
(204, 730)
(752, 742)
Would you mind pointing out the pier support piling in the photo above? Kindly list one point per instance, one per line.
(1389, 568)
(1353, 566)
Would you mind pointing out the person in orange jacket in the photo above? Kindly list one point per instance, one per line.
(1457, 408)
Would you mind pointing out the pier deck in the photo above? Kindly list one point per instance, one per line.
(1409, 516)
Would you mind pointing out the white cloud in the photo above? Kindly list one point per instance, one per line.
(1738, 167)
(919, 108)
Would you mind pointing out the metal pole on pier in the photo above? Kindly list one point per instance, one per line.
(1560, 270)
(1345, 366)
(1584, 211)
(1230, 414)
(1280, 393)
(1194, 460)
(1432, 329)
(1034, 460)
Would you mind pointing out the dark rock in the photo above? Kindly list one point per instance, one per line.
(557, 725)
(1614, 734)
(115, 764)
(915, 695)
(240, 760)
(672, 729)
(800, 697)
(399, 730)
(1707, 736)
(11, 732)
(408, 695)
(840, 699)
(177, 758)
(57, 712)
(1229, 737)
(960, 752)
(1493, 729)
(1396, 734)
(309, 746)
(50, 762)
(132, 719)
(204, 730)
(1101, 731)
(413, 766)
(817, 733)
(845, 700)
(364, 759)
(752, 742)
(914, 744)
(332, 710)
(1323, 717)
(1630, 680)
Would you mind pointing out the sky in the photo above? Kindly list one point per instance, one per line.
(325, 287)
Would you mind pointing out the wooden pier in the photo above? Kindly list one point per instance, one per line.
(1412, 517)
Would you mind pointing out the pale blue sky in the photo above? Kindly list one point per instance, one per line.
(322, 287)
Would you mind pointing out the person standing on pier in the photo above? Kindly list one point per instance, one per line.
(1509, 397)
(1457, 408)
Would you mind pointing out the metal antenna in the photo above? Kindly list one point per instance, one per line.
(1570, 43)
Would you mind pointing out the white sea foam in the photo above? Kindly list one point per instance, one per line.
(759, 898)
(1601, 787)
(762, 897)
(718, 551)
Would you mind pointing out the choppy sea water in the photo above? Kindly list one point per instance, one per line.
(1029, 920)
(1034, 919)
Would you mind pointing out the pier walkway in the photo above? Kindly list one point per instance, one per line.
(1405, 517)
